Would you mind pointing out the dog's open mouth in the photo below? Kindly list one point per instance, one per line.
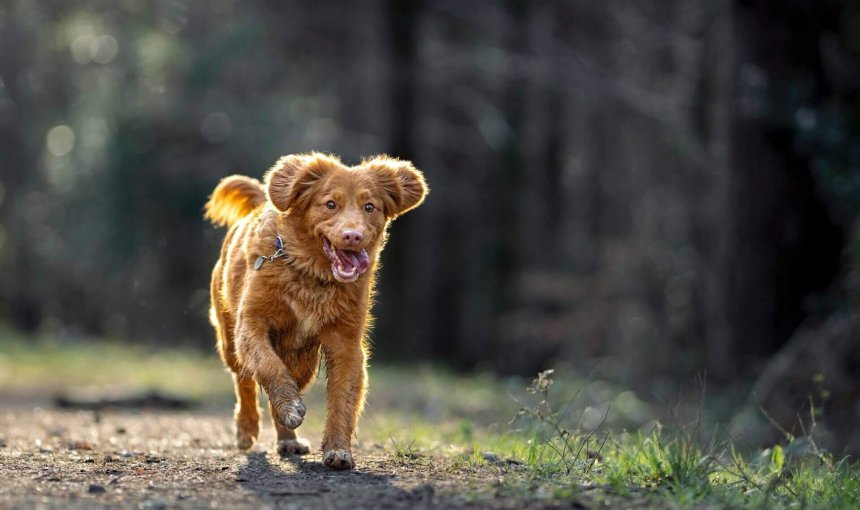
(346, 265)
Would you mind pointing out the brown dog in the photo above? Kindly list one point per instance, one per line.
(295, 278)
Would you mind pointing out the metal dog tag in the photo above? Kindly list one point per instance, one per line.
(259, 263)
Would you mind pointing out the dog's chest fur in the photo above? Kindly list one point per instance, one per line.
(316, 305)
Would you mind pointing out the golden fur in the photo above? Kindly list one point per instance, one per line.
(273, 324)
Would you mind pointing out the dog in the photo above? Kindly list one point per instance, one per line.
(295, 282)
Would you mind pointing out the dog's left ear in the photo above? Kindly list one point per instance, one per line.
(403, 186)
(290, 179)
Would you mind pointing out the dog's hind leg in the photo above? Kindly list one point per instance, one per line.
(247, 411)
(247, 414)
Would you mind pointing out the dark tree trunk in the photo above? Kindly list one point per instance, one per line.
(784, 247)
(399, 305)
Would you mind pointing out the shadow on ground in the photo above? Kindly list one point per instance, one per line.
(308, 481)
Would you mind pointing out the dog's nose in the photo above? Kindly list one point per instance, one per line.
(352, 237)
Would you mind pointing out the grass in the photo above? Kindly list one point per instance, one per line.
(678, 465)
(570, 439)
(42, 365)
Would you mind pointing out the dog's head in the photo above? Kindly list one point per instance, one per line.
(345, 208)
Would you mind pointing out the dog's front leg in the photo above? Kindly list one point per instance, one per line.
(345, 388)
(259, 359)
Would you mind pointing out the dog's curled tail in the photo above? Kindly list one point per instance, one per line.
(234, 198)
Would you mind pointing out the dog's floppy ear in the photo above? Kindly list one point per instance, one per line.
(288, 181)
(403, 186)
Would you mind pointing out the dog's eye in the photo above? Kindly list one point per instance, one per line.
(369, 207)
(330, 204)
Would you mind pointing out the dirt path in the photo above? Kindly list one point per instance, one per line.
(52, 459)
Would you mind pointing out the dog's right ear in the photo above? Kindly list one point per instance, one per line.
(290, 179)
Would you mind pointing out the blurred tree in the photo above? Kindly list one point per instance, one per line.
(667, 186)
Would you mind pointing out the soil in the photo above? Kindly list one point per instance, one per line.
(83, 459)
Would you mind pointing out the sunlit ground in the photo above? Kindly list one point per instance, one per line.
(434, 405)
(571, 434)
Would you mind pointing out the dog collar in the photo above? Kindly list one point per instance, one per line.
(280, 252)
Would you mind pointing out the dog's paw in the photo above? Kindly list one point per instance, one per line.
(246, 433)
(338, 459)
(291, 413)
(296, 446)
(244, 441)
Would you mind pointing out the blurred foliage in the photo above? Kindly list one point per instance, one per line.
(665, 186)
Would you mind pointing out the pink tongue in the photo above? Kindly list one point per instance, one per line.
(358, 259)
(363, 261)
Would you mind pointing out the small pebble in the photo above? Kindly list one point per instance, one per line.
(95, 488)
(155, 504)
(425, 491)
(490, 457)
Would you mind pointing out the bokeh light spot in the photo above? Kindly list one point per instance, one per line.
(103, 49)
(80, 49)
(61, 140)
(173, 16)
